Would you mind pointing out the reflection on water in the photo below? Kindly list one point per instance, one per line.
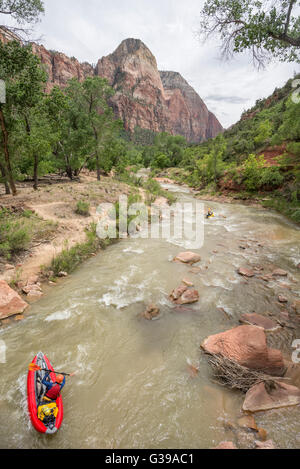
(133, 388)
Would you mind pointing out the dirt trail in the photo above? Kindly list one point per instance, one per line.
(56, 202)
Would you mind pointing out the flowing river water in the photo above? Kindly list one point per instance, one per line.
(133, 388)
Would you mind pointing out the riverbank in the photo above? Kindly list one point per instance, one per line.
(231, 194)
(237, 271)
(52, 231)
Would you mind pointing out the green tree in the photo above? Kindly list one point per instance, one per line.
(25, 81)
(290, 128)
(211, 165)
(267, 29)
(100, 118)
(264, 133)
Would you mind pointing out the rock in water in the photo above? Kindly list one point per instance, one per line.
(178, 292)
(246, 272)
(280, 273)
(188, 258)
(265, 445)
(247, 346)
(296, 306)
(183, 296)
(226, 445)
(151, 313)
(188, 297)
(265, 396)
(282, 299)
(11, 303)
(261, 321)
(248, 421)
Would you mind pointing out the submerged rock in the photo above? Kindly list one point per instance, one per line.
(247, 346)
(183, 296)
(280, 273)
(226, 445)
(248, 421)
(296, 306)
(188, 297)
(246, 272)
(187, 282)
(10, 302)
(152, 312)
(188, 258)
(271, 395)
(282, 299)
(265, 445)
(261, 321)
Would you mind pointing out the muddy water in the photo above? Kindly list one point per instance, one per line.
(133, 388)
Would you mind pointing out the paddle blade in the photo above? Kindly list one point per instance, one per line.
(34, 367)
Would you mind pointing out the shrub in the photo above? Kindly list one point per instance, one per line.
(271, 177)
(83, 208)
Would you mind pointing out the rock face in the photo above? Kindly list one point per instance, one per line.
(61, 68)
(261, 397)
(144, 98)
(247, 346)
(10, 302)
(189, 115)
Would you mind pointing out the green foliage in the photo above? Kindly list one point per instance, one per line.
(17, 231)
(266, 29)
(258, 176)
(210, 167)
(22, 11)
(252, 171)
(264, 133)
(83, 208)
(161, 161)
(70, 258)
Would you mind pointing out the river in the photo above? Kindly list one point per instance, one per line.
(133, 388)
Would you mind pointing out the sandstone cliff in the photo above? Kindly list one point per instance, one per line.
(145, 97)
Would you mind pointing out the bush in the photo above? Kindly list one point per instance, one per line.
(14, 234)
(271, 177)
(70, 258)
(83, 208)
(18, 230)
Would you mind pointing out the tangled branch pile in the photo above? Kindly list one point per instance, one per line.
(236, 376)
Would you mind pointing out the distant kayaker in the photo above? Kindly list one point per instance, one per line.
(210, 213)
(53, 389)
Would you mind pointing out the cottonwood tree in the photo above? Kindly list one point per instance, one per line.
(25, 81)
(103, 126)
(268, 29)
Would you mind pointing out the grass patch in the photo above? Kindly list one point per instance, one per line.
(19, 230)
(70, 258)
(83, 208)
(290, 209)
(155, 190)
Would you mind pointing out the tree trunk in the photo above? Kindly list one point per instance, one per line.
(6, 153)
(98, 167)
(6, 185)
(69, 170)
(35, 172)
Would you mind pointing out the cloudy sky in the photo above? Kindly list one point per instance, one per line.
(90, 29)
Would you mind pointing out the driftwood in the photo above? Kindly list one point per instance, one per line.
(231, 374)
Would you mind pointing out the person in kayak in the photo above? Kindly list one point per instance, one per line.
(53, 389)
(210, 213)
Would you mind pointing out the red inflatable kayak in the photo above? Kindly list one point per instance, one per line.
(35, 394)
